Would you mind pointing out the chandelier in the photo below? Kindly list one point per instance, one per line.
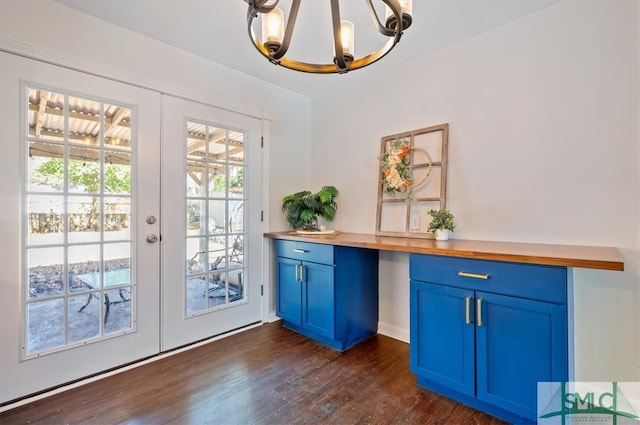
(276, 37)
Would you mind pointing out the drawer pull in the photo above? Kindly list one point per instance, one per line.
(467, 302)
(479, 312)
(300, 251)
(473, 275)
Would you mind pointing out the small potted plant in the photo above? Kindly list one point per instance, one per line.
(441, 224)
(302, 209)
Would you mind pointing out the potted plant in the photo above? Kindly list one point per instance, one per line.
(302, 209)
(441, 224)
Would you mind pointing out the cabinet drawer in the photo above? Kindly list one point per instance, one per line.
(544, 283)
(305, 251)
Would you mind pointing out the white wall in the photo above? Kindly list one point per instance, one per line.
(544, 147)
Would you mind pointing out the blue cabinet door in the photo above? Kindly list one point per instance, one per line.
(442, 336)
(318, 299)
(520, 342)
(288, 291)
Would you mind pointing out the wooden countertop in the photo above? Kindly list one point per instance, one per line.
(590, 257)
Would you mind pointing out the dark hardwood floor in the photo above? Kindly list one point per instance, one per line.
(266, 375)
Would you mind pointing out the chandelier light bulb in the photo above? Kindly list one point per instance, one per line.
(347, 36)
(273, 28)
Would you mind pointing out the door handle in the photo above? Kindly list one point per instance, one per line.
(467, 302)
(479, 312)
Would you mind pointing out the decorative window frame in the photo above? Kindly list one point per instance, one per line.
(404, 212)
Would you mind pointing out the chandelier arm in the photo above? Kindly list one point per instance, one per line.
(291, 22)
(337, 39)
(376, 20)
(261, 6)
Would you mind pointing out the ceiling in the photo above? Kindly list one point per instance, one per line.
(217, 30)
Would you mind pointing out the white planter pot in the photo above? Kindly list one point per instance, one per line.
(441, 234)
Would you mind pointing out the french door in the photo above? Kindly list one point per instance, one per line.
(79, 285)
(211, 232)
(129, 224)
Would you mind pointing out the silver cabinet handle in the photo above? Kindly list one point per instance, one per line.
(302, 273)
(467, 302)
(479, 312)
(297, 273)
(300, 251)
(473, 275)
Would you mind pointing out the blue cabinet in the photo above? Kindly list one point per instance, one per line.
(328, 293)
(485, 332)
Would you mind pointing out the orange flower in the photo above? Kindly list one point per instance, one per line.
(387, 172)
(406, 183)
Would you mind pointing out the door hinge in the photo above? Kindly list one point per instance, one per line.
(261, 290)
(261, 216)
(262, 141)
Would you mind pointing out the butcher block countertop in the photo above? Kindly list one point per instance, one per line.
(589, 257)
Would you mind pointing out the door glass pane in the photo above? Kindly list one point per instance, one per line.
(78, 231)
(84, 170)
(46, 219)
(197, 221)
(46, 271)
(84, 218)
(217, 180)
(196, 178)
(83, 317)
(117, 172)
(117, 127)
(117, 305)
(214, 199)
(84, 267)
(217, 216)
(117, 219)
(45, 322)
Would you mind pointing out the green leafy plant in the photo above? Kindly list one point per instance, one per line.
(442, 219)
(302, 209)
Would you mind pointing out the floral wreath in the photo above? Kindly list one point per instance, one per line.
(395, 165)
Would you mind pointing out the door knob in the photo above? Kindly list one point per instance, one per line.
(151, 238)
(151, 219)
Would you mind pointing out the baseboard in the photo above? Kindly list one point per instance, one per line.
(394, 332)
(273, 318)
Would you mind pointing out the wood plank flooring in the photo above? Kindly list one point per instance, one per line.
(266, 375)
